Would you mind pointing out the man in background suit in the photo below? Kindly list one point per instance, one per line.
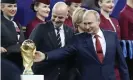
(11, 33)
(95, 50)
(50, 36)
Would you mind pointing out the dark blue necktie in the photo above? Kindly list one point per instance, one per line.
(124, 49)
(58, 37)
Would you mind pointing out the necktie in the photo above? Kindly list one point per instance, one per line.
(58, 37)
(99, 49)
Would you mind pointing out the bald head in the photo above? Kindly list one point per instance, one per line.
(60, 6)
(59, 13)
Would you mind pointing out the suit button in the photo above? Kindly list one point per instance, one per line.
(58, 73)
(58, 68)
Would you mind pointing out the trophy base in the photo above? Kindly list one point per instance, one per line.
(32, 77)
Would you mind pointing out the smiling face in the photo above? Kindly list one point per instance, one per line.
(59, 14)
(42, 9)
(9, 9)
(58, 17)
(73, 6)
(91, 22)
(107, 5)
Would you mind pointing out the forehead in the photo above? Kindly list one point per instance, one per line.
(59, 13)
(42, 4)
(73, 3)
(6, 4)
(90, 17)
(106, 0)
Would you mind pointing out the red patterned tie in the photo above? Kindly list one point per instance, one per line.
(99, 49)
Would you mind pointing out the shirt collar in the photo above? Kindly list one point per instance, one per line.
(8, 18)
(61, 27)
(100, 34)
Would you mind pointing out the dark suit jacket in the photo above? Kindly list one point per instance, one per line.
(9, 71)
(45, 39)
(10, 41)
(87, 61)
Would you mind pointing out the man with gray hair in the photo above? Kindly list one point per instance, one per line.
(50, 36)
(95, 50)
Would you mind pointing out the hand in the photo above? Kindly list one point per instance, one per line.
(39, 56)
(2, 50)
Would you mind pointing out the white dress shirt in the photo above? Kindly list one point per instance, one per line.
(62, 35)
(102, 41)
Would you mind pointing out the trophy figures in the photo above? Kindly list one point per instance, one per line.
(28, 50)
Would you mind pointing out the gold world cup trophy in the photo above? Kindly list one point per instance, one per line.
(28, 50)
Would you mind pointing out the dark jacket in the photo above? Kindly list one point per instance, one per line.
(87, 61)
(45, 39)
(10, 41)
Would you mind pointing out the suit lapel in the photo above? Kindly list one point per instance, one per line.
(107, 39)
(52, 35)
(91, 48)
(66, 33)
(11, 28)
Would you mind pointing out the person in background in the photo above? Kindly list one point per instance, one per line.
(41, 8)
(126, 24)
(96, 51)
(11, 32)
(90, 4)
(126, 21)
(107, 22)
(55, 35)
(72, 5)
(77, 20)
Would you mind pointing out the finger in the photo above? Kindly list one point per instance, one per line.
(4, 50)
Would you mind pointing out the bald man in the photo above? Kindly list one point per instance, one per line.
(50, 36)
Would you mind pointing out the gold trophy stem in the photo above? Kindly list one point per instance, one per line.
(28, 70)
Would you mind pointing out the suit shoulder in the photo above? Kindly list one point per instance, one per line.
(68, 28)
(80, 34)
(110, 32)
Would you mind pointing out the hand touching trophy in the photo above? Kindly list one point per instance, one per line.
(28, 50)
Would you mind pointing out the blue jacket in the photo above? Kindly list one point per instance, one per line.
(88, 64)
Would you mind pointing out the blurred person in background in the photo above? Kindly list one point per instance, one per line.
(126, 24)
(11, 33)
(41, 8)
(107, 22)
(90, 4)
(77, 20)
(72, 5)
(126, 21)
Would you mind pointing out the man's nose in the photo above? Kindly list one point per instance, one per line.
(87, 26)
(56, 19)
